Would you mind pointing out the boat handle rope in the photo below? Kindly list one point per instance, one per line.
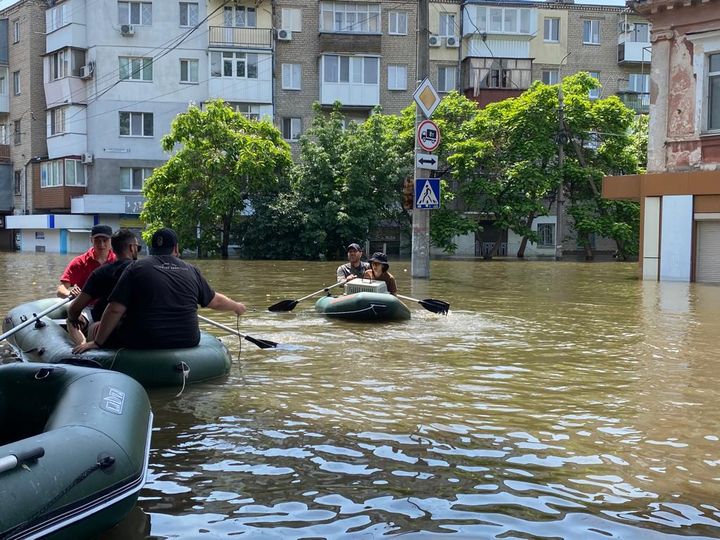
(104, 461)
(185, 369)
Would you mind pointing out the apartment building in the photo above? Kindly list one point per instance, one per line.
(110, 75)
(680, 196)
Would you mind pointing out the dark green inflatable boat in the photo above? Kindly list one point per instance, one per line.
(363, 306)
(47, 341)
(74, 445)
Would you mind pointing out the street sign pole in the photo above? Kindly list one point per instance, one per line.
(420, 261)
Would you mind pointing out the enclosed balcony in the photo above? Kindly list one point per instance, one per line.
(634, 43)
(637, 101)
(234, 37)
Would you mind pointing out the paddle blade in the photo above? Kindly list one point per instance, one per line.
(436, 306)
(284, 305)
(262, 343)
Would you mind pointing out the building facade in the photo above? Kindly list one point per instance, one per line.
(100, 91)
(680, 195)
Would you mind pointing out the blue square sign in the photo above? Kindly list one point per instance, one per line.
(427, 193)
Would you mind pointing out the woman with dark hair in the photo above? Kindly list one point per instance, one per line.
(379, 271)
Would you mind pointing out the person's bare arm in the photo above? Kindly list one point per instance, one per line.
(66, 289)
(110, 319)
(221, 302)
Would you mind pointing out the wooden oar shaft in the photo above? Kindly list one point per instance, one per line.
(322, 290)
(36, 317)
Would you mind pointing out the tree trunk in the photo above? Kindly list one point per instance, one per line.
(521, 249)
(589, 255)
(225, 237)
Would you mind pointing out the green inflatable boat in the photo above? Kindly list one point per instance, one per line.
(363, 306)
(74, 446)
(46, 340)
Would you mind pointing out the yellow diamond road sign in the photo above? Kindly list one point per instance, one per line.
(426, 97)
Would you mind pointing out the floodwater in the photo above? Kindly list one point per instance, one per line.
(557, 400)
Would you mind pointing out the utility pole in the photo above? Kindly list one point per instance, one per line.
(420, 262)
(560, 200)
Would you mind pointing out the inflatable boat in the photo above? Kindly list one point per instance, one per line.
(364, 300)
(45, 340)
(74, 445)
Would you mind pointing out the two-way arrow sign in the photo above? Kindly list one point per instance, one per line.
(426, 161)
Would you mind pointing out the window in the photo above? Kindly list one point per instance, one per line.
(546, 235)
(397, 77)
(640, 33)
(350, 69)
(639, 82)
(240, 16)
(39, 235)
(497, 20)
(291, 128)
(56, 17)
(17, 134)
(552, 29)
(499, 78)
(248, 110)
(59, 65)
(136, 124)
(74, 173)
(591, 32)
(447, 25)
(398, 23)
(550, 76)
(16, 83)
(77, 60)
(595, 92)
(133, 178)
(4, 134)
(713, 90)
(51, 173)
(348, 17)
(446, 79)
(16, 31)
(291, 19)
(188, 13)
(291, 74)
(56, 119)
(3, 86)
(135, 69)
(234, 64)
(189, 71)
(139, 13)
(18, 182)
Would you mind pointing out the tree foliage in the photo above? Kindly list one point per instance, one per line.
(222, 160)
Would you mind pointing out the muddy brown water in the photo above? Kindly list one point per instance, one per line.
(557, 400)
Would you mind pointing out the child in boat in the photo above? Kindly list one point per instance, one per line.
(379, 271)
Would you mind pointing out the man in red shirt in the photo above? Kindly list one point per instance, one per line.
(79, 269)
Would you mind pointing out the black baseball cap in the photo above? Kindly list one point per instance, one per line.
(354, 246)
(163, 242)
(101, 230)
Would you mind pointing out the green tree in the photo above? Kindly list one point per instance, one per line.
(222, 160)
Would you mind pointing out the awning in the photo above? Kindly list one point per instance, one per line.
(87, 231)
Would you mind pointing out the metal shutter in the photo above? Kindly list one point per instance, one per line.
(708, 251)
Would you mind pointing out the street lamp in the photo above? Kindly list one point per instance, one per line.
(562, 139)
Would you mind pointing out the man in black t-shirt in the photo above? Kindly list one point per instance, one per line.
(159, 297)
(99, 286)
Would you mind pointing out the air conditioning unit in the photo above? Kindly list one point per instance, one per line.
(127, 30)
(86, 71)
(87, 159)
(434, 40)
(452, 42)
(284, 35)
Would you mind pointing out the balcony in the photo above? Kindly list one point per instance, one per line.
(239, 37)
(350, 43)
(637, 101)
(637, 52)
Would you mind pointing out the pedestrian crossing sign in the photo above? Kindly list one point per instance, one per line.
(427, 193)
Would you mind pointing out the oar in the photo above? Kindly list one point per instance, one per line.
(34, 318)
(436, 306)
(11, 461)
(289, 305)
(262, 343)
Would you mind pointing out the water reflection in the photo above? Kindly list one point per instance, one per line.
(556, 400)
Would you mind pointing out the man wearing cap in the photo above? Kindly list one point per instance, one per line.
(158, 297)
(79, 269)
(355, 267)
